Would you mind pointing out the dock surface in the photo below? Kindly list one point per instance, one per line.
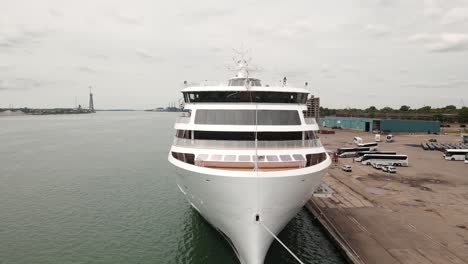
(418, 215)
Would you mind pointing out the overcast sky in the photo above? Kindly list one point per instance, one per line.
(136, 54)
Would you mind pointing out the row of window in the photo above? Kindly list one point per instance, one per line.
(248, 117)
(246, 136)
(245, 97)
(309, 159)
(244, 82)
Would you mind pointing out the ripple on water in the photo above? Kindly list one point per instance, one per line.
(98, 189)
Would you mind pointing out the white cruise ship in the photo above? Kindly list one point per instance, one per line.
(248, 159)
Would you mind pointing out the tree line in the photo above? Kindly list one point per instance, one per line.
(442, 114)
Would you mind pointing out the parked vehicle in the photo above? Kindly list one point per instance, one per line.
(385, 168)
(394, 160)
(432, 140)
(361, 154)
(347, 155)
(344, 150)
(377, 166)
(389, 138)
(347, 168)
(391, 169)
(377, 138)
(455, 154)
(357, 140)
(371, 145)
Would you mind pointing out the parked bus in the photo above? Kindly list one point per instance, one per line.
(455, 154)
(372, 145)
(385, 159)
(343, 150)
(361, 154)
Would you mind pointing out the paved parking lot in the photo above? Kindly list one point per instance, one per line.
(418, 215)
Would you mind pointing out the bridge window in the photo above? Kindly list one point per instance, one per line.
(245, 97)
(247, 117)
(247, 136)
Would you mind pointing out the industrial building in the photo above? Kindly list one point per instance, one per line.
(384, 125)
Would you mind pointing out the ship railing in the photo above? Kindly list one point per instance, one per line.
(310, 121)
(233, 144)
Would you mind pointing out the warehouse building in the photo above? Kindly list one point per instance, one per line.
(384, 125)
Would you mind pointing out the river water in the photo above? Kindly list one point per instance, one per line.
(98, 188)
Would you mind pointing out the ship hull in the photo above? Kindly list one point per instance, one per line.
(240, 207)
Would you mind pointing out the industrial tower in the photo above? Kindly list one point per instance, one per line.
(91, 104)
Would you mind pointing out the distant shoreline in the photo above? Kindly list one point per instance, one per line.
(49, 111)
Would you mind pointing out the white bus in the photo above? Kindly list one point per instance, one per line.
(354, 150)
(361, 154)
(371, 146)
(385, 159)
(455, 154)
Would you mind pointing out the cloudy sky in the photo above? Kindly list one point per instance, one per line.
(136, 54)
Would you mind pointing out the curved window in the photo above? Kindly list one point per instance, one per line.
(313, 159)
(247, 117)
(184, 134)
(245, 97)
(184, 157)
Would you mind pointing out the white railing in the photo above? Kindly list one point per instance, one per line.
(310, 121)
(234, 144)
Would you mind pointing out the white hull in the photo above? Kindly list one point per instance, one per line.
(231, 203)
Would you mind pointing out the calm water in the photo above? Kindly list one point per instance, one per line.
(98, 189)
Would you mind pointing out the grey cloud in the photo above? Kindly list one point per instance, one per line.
(56, 13)
(209, 13)
(147, 55)
(15, 36)
(445, 42)
(128, 19)
(216, 50)
(86, 69)
(377, 30)
(450, 84)
(19, 84)
(99, 56)
(455, 15)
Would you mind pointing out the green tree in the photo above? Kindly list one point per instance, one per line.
(371, 109)
(450, 108)
(404, 108)
(463, 115)
(425, 109)
(386, 109)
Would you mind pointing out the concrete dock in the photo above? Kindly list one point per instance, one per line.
(418, 215)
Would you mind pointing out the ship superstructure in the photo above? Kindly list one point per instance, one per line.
(247, 158)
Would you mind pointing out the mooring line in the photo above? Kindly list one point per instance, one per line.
(277, 239)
